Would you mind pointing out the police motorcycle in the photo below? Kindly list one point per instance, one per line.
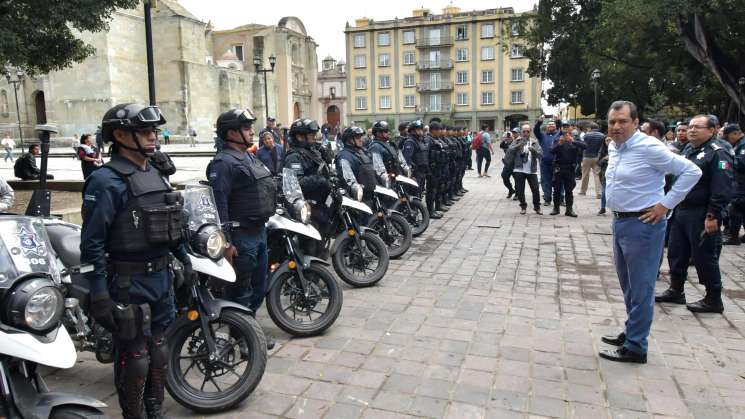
(303, 298)
(217, 350)
(409, 205)
(391, 225)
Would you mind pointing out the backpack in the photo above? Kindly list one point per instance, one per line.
(476, 143)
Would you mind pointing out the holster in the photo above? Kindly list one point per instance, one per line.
(131, 319)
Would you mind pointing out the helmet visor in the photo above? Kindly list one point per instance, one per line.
(246, 117)
(150, 115)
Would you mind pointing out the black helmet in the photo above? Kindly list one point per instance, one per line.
(415, 125)
(351, 132)
(435, 126)
(128, 117)
(234, 119)
(302, 126)
(380, 126)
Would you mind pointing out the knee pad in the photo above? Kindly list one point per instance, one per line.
(158, 351)
(133, 360)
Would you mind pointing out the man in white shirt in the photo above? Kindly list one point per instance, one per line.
(525, 154)
(8, 144)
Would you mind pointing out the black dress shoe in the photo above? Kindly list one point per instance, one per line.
(623, 355)
(602, 211)
(616, 340)
(555, 211)
(706, 306)
(435, 215)
(570, 213)
(538, 210)
(522, 211)
(509, 194)
(671, 295)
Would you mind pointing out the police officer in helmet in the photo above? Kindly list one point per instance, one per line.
(416, 153)
(130, 284)
(354, 166)
(381, 144)
(245, 194)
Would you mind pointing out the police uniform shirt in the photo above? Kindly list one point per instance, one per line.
(713, 190)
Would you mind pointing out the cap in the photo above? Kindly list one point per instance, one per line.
(270, 119)
(729, 129)
(516, 129)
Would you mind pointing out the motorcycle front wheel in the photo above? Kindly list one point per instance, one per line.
(418, 217)
(202, 384)
(361, 266)
(305, 315)
(398, 239)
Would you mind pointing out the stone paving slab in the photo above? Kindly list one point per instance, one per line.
(495, 315)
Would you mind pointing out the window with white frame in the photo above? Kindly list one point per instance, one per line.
(516, 51)
(462, 99)
(487, 98)
(359, 40)
(409, 58)
(461, 77)
(487, 53)
(385, 82)
(409, 101)
(517, 74)
(516, 96)
(487, 30)
(385, 102)
(360, 61)
(384, 39)
(409, 37)
(384, 60)
(409, 80)
(461, 54)
(360, 83)
(360, 102)
(487, 76)
(461, 32)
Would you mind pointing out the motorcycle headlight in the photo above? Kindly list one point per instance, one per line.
(36, 305)
(210, 242)
(301, 211)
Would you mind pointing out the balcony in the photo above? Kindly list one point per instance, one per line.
(432, 42)
(441, 86)
(441, 64)
(442, 108)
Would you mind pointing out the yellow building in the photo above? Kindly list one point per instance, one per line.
(464, 67)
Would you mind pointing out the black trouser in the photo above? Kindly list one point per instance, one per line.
(532, 179)
(431, 195)
(686, 241)
(506, 173)
(564, 181)
(481, 155)
(469, 160)
(736, 211)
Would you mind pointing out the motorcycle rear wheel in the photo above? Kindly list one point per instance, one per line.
(399, 238)
(348, 259)
(418, 217)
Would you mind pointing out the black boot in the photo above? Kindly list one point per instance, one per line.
(711, 303)
(556, 211)
(130, 376)
(674, 294)
(570, 213)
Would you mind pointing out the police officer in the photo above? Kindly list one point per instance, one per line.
(438, 170)
(245, 194)
(565, 163)
(354, 166)
(313, 172)
(416, 153)
(695, 222)
(736, 208)
(382, 145)
(130, 284)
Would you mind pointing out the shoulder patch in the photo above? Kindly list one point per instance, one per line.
(89, 198)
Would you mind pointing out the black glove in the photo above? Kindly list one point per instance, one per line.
(190, 276)
(102, 310)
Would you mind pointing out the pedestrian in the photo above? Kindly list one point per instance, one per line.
(695, 231)
(88, 155)
(166, 136)
(484, 151)
(565, 164)
(25, 167)
(594, 141)
(635, 178)
(128, 247)
(546, 140)
(736, 208)
(8, 144)
(271, 154)
(193, 136)
(603, 163)
(507, 164)
(525, 155)
(681, 136)
(6, 196)
(271, 127)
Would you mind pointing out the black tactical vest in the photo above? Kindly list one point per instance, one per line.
(389, 155)
(151, 221)
(421, 155)
(254, 193)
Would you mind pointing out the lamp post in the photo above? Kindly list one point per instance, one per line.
(572, 96)
(741, 84)
(595, 78)
(20, 76)
(149, 49)
(259, 69)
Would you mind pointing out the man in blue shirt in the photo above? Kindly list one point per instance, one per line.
(270, 153)
(546, 140)
(635, 179)
(594, 140)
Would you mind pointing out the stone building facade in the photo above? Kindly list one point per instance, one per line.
(332, 94)
(192, 86)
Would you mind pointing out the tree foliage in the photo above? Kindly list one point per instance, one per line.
(640, 49)
(37, 35)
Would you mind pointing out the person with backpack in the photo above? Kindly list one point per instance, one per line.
(484, 150)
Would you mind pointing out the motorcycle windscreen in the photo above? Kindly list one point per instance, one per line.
(24, 249)
(291, 185)
(199, 206)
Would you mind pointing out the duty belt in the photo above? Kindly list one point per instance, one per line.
(125, 270)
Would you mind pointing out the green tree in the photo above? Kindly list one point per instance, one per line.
(37, 35)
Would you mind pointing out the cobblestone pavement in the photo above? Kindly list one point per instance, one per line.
(494, 314)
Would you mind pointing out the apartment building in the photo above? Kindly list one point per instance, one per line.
(464, 67)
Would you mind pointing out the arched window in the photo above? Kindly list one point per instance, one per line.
(4, 108)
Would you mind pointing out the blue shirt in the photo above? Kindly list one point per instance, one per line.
(635, 176)
(485, 140)
(265, 155)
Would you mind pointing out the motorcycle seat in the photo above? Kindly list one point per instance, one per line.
(65, 241)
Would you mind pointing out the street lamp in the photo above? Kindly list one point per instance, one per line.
(20, 76)
(259, 69)
(741, 84)
(573, 96)
(595, 78)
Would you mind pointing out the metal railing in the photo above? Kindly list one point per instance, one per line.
(439, 41)
(442, 108)
(434, 86)
(441, 64)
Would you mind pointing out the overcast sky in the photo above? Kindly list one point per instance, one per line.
(325, 20)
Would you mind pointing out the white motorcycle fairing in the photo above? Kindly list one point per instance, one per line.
(351, 203)
(386, 191)
(407, 180)
(59, 353)
(220, 269)
(277, 222)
